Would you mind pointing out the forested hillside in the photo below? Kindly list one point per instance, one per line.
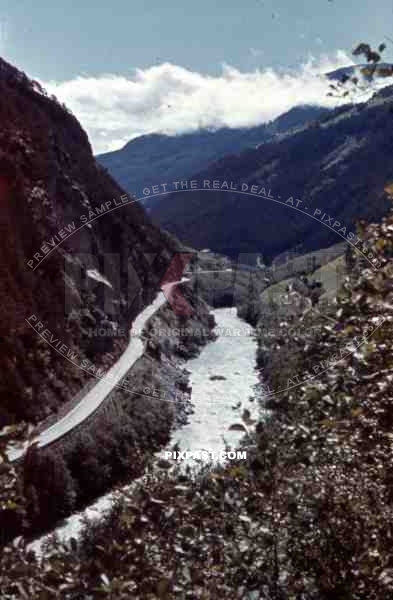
(337, 166)
(157, 158)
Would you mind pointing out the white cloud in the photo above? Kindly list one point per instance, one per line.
(171, 99)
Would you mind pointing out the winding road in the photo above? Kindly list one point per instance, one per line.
(96, 396)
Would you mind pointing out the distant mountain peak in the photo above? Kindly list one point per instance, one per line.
(367, 71)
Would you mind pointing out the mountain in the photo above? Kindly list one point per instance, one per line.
(51, 185)
(367, 71)
(338, 166)
(157, 158)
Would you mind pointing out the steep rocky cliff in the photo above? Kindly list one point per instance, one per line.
(75, 254)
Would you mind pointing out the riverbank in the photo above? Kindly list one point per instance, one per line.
(224, 393)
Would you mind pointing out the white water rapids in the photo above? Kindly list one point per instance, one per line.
(220, 402)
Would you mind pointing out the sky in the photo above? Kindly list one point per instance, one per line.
(129, 67)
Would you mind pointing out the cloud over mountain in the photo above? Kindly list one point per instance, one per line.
(170, 99)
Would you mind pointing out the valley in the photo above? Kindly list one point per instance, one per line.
(196, 377)
(214, 407)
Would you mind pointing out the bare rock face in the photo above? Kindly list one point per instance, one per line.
(75, 254)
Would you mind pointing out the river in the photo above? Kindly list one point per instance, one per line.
(223, 381)
(224, 392)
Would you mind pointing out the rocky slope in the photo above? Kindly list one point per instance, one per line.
(98, 277)
(337, 166)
